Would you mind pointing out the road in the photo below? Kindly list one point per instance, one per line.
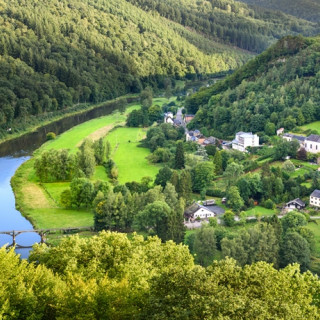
(179, 116)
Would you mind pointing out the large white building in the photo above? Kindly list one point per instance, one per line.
(312, 143)
(244, 140)
(315, 198)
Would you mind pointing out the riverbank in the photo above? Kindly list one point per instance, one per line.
(37, 123)
(40, 202)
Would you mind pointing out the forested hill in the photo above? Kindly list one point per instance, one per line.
(58, 52)
(228, 21)
(305, 9)
(55, 53)
(279, 88)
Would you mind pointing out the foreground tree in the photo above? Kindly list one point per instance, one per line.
(179, 161)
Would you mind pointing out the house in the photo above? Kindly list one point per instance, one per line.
(209, 141)
(296, 204)
(244, 140)
(312, 143)
(315, 198)
(280, 131)
(197, 211)
(188, 118)
(177, 123)
(168, 117)
(191, 137)
(290, 137)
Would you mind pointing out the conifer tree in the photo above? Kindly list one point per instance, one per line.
(179, 157)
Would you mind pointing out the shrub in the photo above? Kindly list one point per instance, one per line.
(51, 136)
(269, 204)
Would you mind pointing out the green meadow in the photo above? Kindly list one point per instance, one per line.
(128, 156)
(312, 126)
(40, 202)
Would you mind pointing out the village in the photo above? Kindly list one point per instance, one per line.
(202, 211)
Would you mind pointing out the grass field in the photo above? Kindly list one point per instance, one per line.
(73, 137)
(260, 210)
(312, 126)
(129, 158)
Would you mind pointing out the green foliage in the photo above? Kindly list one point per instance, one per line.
(278, 88)
(228, 218)
(293, 220)
(179, 161)
(51, 136)
(163, 176)
(306, 9)
(202, 175)
(234, 199)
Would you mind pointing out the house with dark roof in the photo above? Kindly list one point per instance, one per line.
(291, 137)
(296, 204)
(315, 198)
(209, 141)
(198, 211)
(312, 143)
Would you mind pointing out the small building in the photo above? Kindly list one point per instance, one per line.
(177, 123)
(197, 211)
(312, 143)
(315, 198)
(291, 137)
(168, 118)
(244, 140)
(209, 202)
(280, 131)
(191, 137)
(296, 204)
(209, 141)
(188, 118)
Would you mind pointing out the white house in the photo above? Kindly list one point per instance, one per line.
(315, 198)
(196, 210)
(244, 140)
(280, 131)
(312, 143)
(168, 117)
(290, 137)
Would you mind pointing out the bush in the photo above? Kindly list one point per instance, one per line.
(215, 193)
(269, 204)
(51, 136)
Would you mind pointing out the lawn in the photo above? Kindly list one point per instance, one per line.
(60, 218)
(312, 126)
(129, 158)
(72, 138)
(260, 210)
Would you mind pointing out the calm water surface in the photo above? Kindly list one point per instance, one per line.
(10, 218)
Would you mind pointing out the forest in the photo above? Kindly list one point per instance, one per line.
(112, 276)
(55, 54)
(305, 9)
(278, 88)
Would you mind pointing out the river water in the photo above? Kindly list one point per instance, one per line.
(13, 154)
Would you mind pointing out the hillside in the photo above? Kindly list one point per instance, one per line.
(279, 88)
(57, 53)
(305, 9)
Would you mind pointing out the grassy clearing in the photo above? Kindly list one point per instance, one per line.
(312, 126)
(261, 211)
(129, 158)
(73, 137)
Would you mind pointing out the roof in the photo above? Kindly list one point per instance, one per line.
(315, 193)
(314, 138)
(293, 136)
(193, 208)
(298, 201)
(176, 121)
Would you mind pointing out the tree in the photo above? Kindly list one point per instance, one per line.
(179, 161)
(99, 149)
(86, 160)
(185, 185)
(217, 161)
(228, 218)
(270, 129)
(154, 219)
(302, 154)
(202, 175)
(233, 173)
(293, 220)
(288, 166)
(146, 97)
(234, 199)
(295, 249)
(204, 245)
(82, 192)
(163, 176)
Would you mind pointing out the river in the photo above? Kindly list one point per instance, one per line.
(12, 154)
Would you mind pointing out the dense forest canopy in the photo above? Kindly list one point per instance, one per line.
(57, 53)
(305, 9)
(111, 277)
(280, 86)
